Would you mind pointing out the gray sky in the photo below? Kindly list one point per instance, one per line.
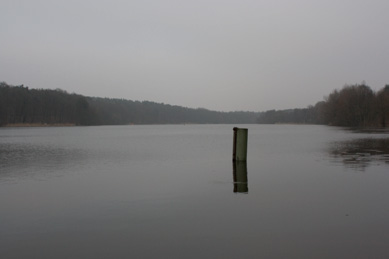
(218, 54)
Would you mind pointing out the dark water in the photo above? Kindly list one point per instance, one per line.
(173, 192)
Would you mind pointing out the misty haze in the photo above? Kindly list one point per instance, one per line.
(123, 129)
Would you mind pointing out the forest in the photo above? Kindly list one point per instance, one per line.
(21, 105)
(352, 106)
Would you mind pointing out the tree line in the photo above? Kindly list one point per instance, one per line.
(352, 106)
(21, 105)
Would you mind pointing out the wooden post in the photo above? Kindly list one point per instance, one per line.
(239, 150)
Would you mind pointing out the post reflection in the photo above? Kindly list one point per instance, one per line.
(239, 171)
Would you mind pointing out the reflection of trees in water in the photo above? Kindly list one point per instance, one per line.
(360, 153)
(19, 160)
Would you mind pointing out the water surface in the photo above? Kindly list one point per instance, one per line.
(171, 191)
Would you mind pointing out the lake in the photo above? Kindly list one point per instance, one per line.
(172, 191)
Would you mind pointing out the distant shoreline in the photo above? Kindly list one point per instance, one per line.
(19, 125)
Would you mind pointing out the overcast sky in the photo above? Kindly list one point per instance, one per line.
(217, 54)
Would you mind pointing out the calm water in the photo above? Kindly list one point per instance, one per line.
(173, 192)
